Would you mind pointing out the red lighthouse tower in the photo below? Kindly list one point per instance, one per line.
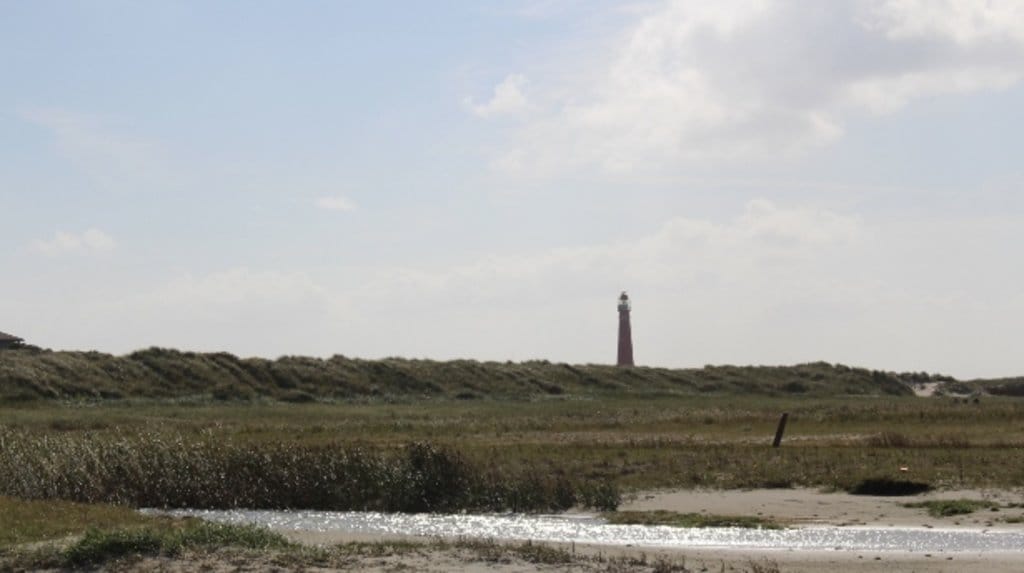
(625, 333)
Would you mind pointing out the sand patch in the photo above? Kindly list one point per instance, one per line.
(812, 507)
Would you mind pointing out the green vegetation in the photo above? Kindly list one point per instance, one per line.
(490, 551)
(199, 545)
(888, 487)
(529, 455)
(31, 521)
(1001, 387)
(171, 470)
(164, 538)
(494, 552)
(949, 507)
(33, 374)
(674, 519)
(169, 429)
(101, 546)
(763, 566)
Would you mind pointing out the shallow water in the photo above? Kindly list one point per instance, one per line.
(586, 529)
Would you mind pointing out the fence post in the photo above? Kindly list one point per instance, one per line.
(781, 429)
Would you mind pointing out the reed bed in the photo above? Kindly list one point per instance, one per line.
(153, 469)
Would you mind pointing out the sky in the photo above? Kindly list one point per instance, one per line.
(773, 182)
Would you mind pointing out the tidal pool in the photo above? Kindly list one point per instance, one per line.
(588, 529)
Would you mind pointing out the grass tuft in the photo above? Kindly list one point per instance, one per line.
(493, 551)
(674, 519)
(950, 507)
(98, 546)
(763, 566)
(102, 546)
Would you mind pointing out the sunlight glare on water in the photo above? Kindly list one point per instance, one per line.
(586, 529)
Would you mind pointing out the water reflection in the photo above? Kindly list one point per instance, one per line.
(585, 529)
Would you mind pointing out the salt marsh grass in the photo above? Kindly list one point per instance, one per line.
(494, 454)
(152, 469)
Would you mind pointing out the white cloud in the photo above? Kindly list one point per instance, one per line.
(692, 82)
(110, 158)
(335, 203)
(762, 219)
(888, 94)
(243, 310)
(681, 248)
(964, 21)
(772, 284)
(508, 98)
(88, 242)
(497, 306)
(237, 286)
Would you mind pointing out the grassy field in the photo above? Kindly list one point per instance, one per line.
(402, 435)
(631, 442)
(31, 521)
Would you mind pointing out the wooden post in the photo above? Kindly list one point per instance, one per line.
(781, 429)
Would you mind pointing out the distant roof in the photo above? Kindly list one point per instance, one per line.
(4, 337)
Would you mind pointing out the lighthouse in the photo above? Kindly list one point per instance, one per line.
(625, 333)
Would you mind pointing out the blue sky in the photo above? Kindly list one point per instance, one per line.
(774, 182)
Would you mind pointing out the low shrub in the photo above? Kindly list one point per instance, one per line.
(1013, 388)
(97, 546)
(602, 495)
(950, 507)
(888, 439)
(888, 487)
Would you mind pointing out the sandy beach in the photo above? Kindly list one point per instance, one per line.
(812, 507)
